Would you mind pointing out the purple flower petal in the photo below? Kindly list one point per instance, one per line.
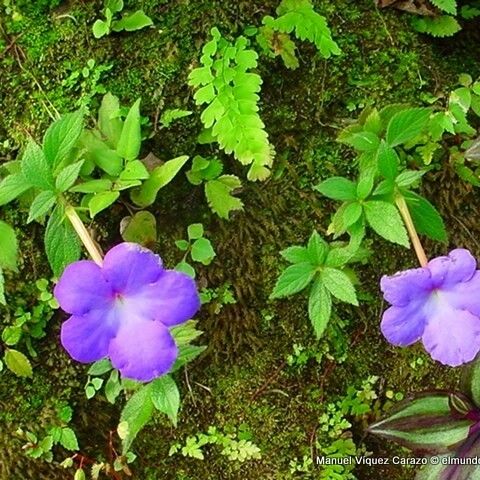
(458, 266)
(465, 296)
(87, 338)
(172, 299)
(82, 288)
(403, 325)
(129, 267)
(452, 336)
(143, 349)
(401, 288)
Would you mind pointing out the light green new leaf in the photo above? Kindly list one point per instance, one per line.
(219, 195)
(128, 146)
(166, 397)
(61, 242)
(293, 279)
(194, 231)
(317, 249)
(136, 413)
(61, 137)
(319, 307)
(338, 188)
(202, 251)
(296, 254)
(109, 121)
(100, 28)
(133, 21)
(8, 247)
(101, 201)
(13, 186)
(35, 167)
(160, 177)
(68, 440)
(387, 161)
(93, 186)
(67, 177)
(339, 285)
(40, 206)
(384, 218)
(18, 363)
(406, 125)
(2, 290)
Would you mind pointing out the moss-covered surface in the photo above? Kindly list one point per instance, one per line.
(244, 380)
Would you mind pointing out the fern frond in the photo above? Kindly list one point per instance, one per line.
(225, 84)
(299, 17)
(444, 26)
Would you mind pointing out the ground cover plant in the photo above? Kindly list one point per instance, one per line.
(239, 240)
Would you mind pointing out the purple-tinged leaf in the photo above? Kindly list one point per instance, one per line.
(424, 424)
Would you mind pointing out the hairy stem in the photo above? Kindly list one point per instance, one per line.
(85, 237)
(412, 232)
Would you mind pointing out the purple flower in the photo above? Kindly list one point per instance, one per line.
(124, 309)
(439, 304)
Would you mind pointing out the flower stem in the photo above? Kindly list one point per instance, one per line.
(405, 212)
(85, 237)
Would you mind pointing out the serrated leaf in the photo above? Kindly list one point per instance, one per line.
(220, 197)
(338, 188)
(404, 126)
(8, 247)
(68, 440)
(293, 279)
(61, 137)
(443, 26)
(296, 254)
(409, 177)
(109, 121)
(317, 249)
(130, 141)
(384, 218)
(425, 217)
(67, 177)
(387, 161)
(113, 387)
(339, 285)
(13, 186)
(100, 367)
(61, 242)
(18, 363)
(319, 307)
(166, 397)
(136, 413)
(448, 6)
(41, 205)
(159, 177)
(187, 353)
(35, 168)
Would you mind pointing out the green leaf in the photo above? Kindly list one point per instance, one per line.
(113, 387)
(2, 297)
(134, 170)
(319, 307)
(317, 249)
(296, 254)
(101, 154)
(172, 114)
(160, 177)
(109, 121)
(61, 242)
(384, 218)
(351, 213)
(93, 186)
(35, 167)
(425, 217)
(219, 195)
(11, 335)
(67, 177)
(141, 228)
(131, 138)
(409, 177)
(18, 363)
(8, 247)
(12, 186)
(186, 354)
(448, 6)
(166, 397)
(101, 201)
(387, 161)
(202, 251)
(406, 125)
(100, 367)
(338, 188)
(136, 413)
(293, 279)
(41, 205)
(362, 141)
(443, 26)
(424, 424)
(133, 21)
(100, 28)
(186, 268)
(339, 285)
(61, 137)
(194, 231)
(68, 440)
